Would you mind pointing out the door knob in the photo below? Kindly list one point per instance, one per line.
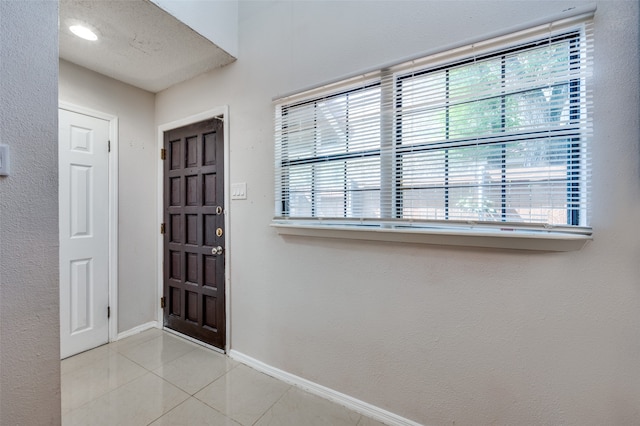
(217, 250)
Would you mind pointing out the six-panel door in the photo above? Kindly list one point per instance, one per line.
(83, 197)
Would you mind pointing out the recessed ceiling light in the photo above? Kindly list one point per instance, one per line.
(83, 32)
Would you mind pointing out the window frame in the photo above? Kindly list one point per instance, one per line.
(314, 159)
(392, 227)
(575, 105)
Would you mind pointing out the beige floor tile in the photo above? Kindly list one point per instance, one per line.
(83, 359)
(136, 403)
(243, 394)
(136, 339)
(297, 407)
(97, 378)
(195, 370)
(148, 378)
(151, 354)
(194, 413)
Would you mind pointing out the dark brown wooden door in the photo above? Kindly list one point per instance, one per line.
(194, 231)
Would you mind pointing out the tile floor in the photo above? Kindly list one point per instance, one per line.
(156, 378)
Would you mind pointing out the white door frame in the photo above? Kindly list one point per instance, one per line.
(222, 111)
(113, 208)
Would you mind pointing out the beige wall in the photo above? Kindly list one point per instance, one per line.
(29, 318)
(439, 335)
(435, 334)
(137, 160)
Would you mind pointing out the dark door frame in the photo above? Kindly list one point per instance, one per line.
(221, 112)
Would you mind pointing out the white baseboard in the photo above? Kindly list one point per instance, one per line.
(354, 404)
(138, 329)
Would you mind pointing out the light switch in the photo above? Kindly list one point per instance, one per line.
(4, 160)
(239, 191)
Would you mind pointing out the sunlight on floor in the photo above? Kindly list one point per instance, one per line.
(155, 378)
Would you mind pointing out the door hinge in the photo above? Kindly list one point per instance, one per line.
(163, 154)
(108, 146)
(108, 311)
(163, 301)
(163, 228)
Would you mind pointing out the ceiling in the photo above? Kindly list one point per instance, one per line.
(138, 43)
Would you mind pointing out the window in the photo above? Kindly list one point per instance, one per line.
(330, 156)
(493, 136)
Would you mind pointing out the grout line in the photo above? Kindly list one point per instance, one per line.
(112, 351)
(108, 390)
(226, 416)
(272, 405)
(164, 414)
(351, 403)
(153, 371)
(214, 380)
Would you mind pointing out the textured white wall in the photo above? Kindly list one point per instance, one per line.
(138, 156)
(439, 335)
(214, 20)
(29, 320)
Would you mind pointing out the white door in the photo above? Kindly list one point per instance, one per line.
(83, 157)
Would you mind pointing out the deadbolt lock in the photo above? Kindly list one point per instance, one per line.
(219, 232)
(219, 210)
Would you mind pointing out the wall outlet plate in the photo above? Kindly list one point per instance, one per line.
(4, 160)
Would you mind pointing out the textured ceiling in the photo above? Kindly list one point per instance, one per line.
(138, 43)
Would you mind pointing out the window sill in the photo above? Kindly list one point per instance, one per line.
(502, 239)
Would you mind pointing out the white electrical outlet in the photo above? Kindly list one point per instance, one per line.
(4, 160)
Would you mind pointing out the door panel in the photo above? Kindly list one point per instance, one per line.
(194, 219)
(81, 282)
(84, 231)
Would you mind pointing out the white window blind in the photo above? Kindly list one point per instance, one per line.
(495, 134)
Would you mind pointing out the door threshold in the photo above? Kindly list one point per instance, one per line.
(196, 341)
